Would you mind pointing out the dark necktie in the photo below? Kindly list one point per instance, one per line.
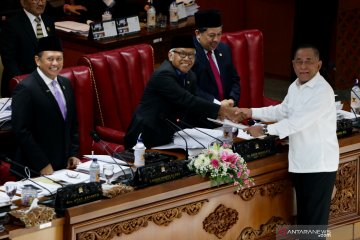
(216, 75)
(58, 98)
(39, 32)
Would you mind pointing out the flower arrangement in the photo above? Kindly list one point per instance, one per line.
(222, 165)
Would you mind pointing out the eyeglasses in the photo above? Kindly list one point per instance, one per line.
(306, 62)
(37, 1)
(185, 54)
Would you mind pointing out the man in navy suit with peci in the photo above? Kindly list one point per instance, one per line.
(217, 78)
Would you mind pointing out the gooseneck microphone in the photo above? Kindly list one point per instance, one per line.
(197, 129)
(107, 149)
(180, 129)
(27, 171)
(176, 128)
(8, 160)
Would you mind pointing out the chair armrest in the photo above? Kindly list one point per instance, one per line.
(110, 135)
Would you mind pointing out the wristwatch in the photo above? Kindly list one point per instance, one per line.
(265, 130)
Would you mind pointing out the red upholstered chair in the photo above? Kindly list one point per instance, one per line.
(247, 53)
(81, 80)
(120, 78)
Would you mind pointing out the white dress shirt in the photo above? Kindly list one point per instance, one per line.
(34, 23)
(308, 117)
(48, 82)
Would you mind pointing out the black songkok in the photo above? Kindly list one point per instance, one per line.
(208, 19)
(182, 41)
(50, 43)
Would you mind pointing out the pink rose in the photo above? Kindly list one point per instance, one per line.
(215, 163)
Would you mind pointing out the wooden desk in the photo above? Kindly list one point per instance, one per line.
(190, 209)
(76, 46)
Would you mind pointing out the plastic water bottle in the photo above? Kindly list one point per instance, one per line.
(173, 12)
(355, 97)
(151, 17)
(139, 151)
(106, 16)
(94, 171)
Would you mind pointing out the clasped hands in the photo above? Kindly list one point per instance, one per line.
(237, 115)
(234, 114)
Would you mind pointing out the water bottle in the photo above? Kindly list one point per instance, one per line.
(151, 17)
(227, 135)
(94, 171)
(139, 151)
(355, 97)
(106, 16)
(173, 12)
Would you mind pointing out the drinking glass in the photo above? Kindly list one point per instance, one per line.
(108, 170)
(10, 188)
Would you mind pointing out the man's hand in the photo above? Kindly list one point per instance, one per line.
(74, 9)
(231, 113)
(246, 111)
(228, 102)
(72, 162)
(48, 170)
(255, 131)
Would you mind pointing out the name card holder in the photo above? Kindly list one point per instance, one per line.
(114, 28)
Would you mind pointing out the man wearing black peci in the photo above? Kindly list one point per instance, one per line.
(217, 78)
(169, 95)
(19, 39)
(44, 117)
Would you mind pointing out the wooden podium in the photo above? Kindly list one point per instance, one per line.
(190, 208)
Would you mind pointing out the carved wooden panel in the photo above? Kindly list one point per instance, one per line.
(268, 190)
(220, 221)
(345, 200)
(266, 231)
(162, 218)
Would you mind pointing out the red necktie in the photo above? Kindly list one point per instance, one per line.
(216, 75)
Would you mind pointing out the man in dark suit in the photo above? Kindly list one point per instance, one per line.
(19, 39)
(169, 95)
(43, 114)
(217, 78)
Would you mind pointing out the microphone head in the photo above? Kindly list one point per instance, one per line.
(95, 136)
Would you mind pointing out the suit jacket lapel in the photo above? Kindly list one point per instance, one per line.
(28, 29)
(203, 60)
(47, 92)
(219, 60)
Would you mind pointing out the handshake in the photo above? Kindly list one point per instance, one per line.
(235, 114)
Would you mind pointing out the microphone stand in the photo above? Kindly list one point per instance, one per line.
(175, 129)
(8, 160)
(180, 129)
(29, 179)
(197, 129)
(97, 139)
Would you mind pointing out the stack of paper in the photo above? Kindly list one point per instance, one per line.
(196, 138)
(71, 26)
(5, 109)
(48, 185)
